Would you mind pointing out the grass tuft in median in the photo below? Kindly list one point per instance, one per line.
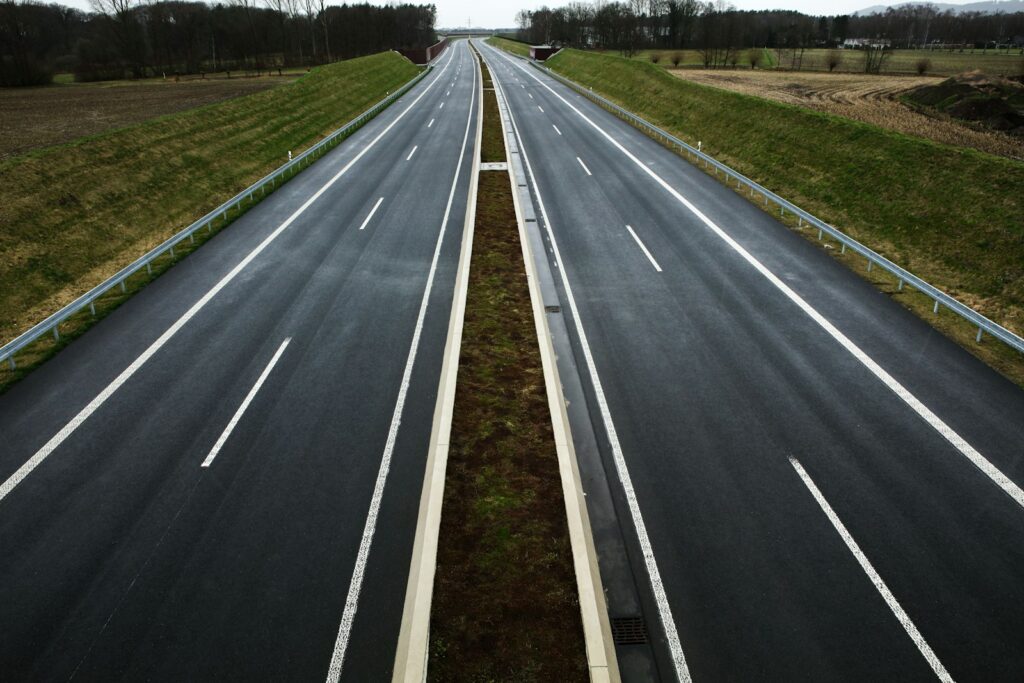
(505, 606)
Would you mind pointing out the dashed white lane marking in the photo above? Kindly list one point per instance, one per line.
(584, 166)
(644, 249)
(541, 108)
(530, 94)
(370, 215)
(245, 404)
(355, 585)
(682, 671)
(431, 123)
(442, 106)
(412, 152)
(879, 584)
(556, 129)
(966, 449)
(126, 374)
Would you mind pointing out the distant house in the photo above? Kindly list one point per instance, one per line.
(863, 43)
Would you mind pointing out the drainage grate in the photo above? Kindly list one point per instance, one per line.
(629, 631)
(553, 309)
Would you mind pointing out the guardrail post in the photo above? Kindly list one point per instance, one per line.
(842, 250)
(124, 290)
(10, 361)
(800, 221)
(92, 308)
(820, 234)
(978, 338)
(192, 237)
(172, 251)
(56, 333)
(149, 268)
(900, 287)
(870, 264)
(935, 308)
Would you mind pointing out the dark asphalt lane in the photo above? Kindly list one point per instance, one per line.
(123, 558)
(714, 379)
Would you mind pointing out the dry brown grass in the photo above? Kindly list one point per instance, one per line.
(869, 98)
(31, 118)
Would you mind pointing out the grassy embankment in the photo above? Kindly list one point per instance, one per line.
(516, 48)
(505, 606)
(74, 214)
(953, 216)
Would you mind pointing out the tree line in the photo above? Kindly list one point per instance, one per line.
(719, 31)
(140, 38)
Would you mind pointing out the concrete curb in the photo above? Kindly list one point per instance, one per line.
(601, 659)
(414, 636)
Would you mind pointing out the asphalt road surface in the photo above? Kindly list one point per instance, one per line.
(811, 483)
(220, 480)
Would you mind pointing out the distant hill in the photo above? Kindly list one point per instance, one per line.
(987, 7)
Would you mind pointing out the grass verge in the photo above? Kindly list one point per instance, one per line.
(953, 216)
(505, 606)
(521, 49)
(72, 215)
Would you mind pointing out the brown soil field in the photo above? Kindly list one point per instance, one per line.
(32, 118)
(862, 97)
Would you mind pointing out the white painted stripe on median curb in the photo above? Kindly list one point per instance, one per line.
(933, 420)
(644, 249)
(372, 211)
(879, 584)
(245, 404)
(355, 585)
(584, 166)
(416, 147)
(556, 129)
(682, 671)
(414, 634)
(126, 374)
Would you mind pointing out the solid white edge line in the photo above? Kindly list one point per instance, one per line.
(245, 404)
(44, 452)
(415, 147)
(933, 420)
(644, 249)
(355, 585)
(584, 166)
(369, 217)
(682, 671)
(873, 575)
(602, 660)
(411, 653)
(556, 129)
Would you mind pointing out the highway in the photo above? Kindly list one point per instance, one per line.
(807, 481)
(220, 480)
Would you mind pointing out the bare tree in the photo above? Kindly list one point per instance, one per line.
(324, 23)
(833, 59)
(754, 58)
(127, 33)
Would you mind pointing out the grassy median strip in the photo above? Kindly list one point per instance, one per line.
(74, 214)
(505, 606)
(951, 215)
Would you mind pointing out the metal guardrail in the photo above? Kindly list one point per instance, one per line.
(874, 259)
(51, 324)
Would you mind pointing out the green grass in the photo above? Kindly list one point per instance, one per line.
(73, 214)
(951, 215)
(521, 49)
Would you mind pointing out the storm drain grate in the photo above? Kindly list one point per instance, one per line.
(629, 631)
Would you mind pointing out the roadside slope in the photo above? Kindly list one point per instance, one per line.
(73, 214)
(953, 216)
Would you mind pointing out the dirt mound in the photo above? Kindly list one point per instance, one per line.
(994, 102)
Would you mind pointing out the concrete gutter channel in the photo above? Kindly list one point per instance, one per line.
(411, 659)
(634, 655)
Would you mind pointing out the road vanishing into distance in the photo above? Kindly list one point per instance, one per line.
(789, 476)
(811, 483)
(242, 506)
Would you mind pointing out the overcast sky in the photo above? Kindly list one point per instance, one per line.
(502, 13)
